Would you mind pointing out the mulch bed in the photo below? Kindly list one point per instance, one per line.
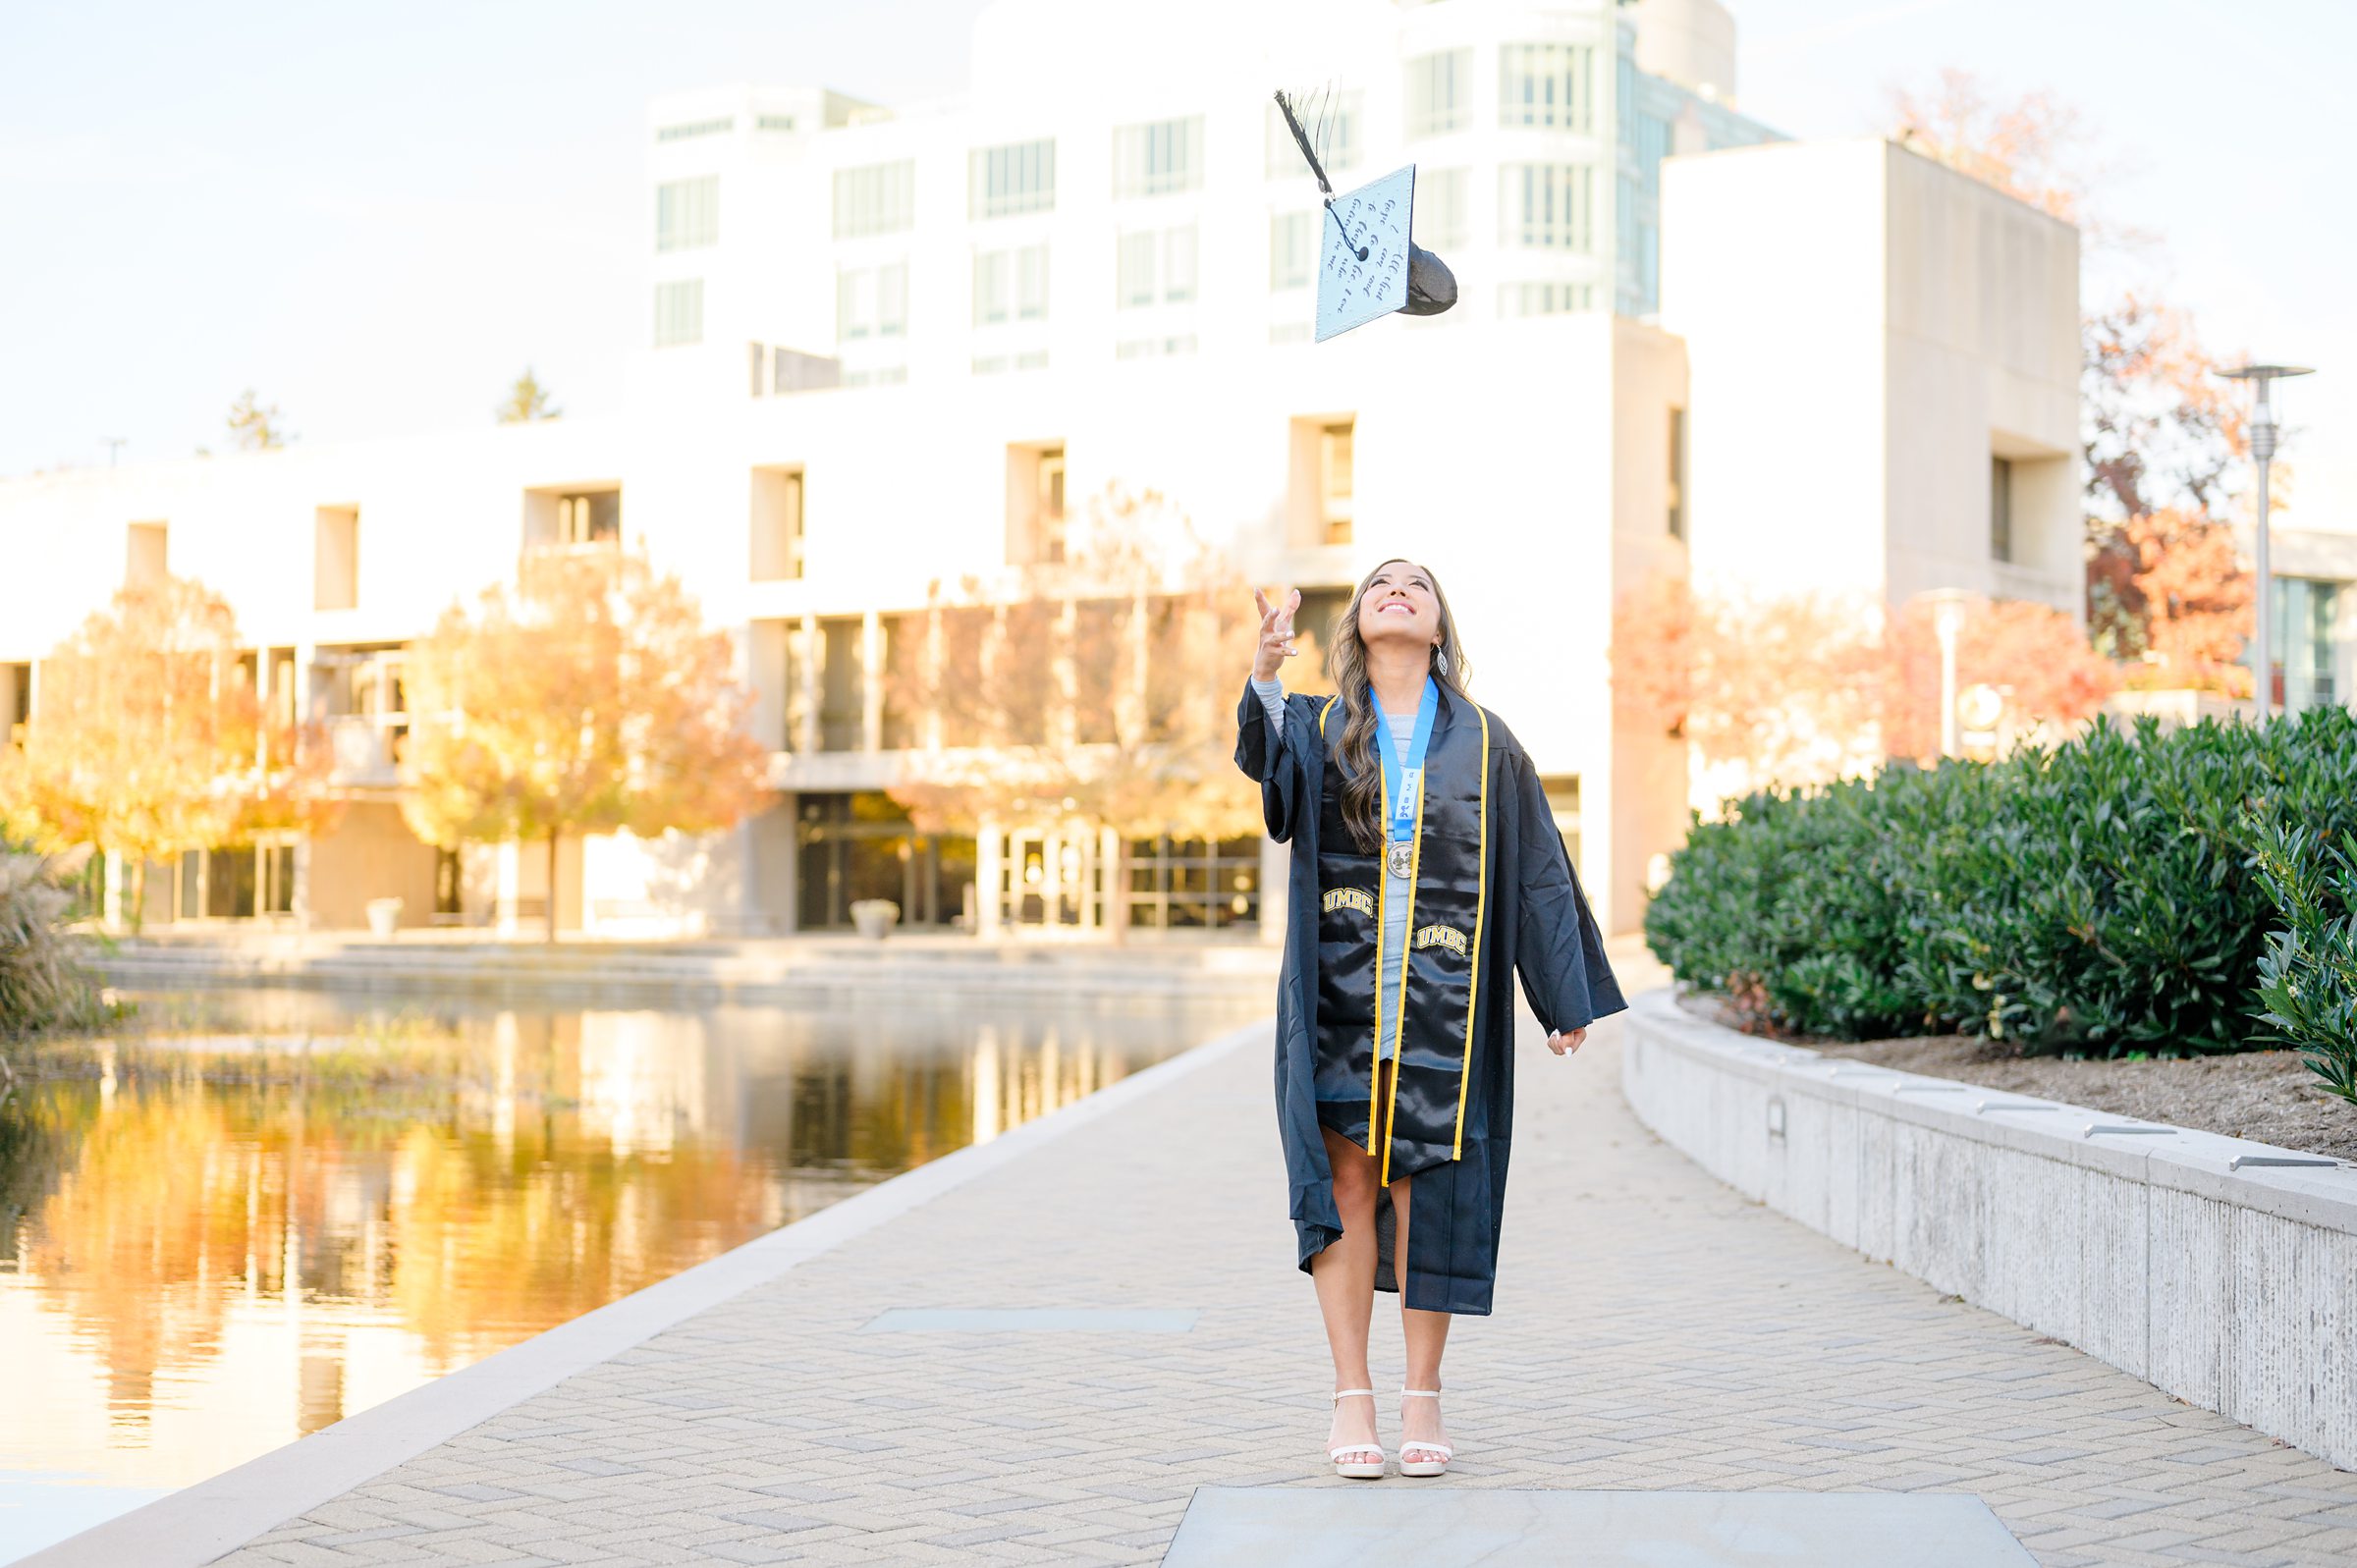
(2269, 1096)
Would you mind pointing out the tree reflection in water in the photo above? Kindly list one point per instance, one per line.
(270, 1210)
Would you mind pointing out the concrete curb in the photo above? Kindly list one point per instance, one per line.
(200, 1523)
(2219, 1269)
(593, 973)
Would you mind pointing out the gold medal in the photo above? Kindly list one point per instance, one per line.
(1397, 858)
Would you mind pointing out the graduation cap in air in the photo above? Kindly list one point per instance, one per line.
(1369, 264)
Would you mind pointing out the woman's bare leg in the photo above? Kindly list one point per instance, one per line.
(1426, 1334)
(1343, 1273)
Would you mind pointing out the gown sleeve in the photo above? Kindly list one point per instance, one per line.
(1264, 750)
(1558, 949)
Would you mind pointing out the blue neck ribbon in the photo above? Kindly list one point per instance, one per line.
(1401, 803)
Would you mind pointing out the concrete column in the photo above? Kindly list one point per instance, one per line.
(806, 722)
(507, 880)
(1276, 877)
(871, 681)
(1113, 860)
(990, 874)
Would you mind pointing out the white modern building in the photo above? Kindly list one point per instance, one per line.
(891, 347)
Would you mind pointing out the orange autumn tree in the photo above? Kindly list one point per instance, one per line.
(2166, 441)
(2033, 655)
(150, 740)
(1782, 685)
(587, 698)
(1803, 689)
(1092, 680)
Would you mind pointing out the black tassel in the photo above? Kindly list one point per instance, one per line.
(1301, 140)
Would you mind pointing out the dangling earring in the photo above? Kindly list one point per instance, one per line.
(1440, 658)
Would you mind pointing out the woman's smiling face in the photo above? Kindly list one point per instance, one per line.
(1399, 602)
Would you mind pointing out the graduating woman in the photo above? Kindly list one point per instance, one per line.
(1426, 872)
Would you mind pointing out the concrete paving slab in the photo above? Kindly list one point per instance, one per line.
(1030, 1320)
(1248, 1526)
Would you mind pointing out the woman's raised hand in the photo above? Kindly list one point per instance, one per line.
(1276, 633)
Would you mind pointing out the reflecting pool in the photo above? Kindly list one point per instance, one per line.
(255, 1212)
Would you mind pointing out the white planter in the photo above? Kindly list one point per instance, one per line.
(384, 916)
(2215, 1267)
(874, 916)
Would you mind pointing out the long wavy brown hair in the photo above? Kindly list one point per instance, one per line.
(1362, 763)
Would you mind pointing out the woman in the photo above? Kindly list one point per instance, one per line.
(1426, 871)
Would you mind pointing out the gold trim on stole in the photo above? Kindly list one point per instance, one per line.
(1480, 899)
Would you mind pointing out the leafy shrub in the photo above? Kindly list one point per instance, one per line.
(2308, 975)
(2103, 896)
(42, 986)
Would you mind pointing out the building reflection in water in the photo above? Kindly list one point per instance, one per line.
(273, 1209)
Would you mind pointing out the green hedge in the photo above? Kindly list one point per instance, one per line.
(2107, 895)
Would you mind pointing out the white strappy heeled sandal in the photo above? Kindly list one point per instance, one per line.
(1423, 1467)
(1356, 1469)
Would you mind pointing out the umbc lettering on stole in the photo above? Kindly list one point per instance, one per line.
(1435, 936)
(1358, 898)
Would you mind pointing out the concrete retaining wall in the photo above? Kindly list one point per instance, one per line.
(2221, 1271)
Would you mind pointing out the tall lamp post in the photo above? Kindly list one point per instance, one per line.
(1947, 621)
(2262, 448)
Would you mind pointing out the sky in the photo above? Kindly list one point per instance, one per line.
(376, 216)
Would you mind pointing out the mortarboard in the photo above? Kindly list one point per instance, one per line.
(1369, 264)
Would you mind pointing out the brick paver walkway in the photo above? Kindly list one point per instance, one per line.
(1653, 1331)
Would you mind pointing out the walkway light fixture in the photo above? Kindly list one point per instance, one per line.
(1947, 621)
(2262, 448)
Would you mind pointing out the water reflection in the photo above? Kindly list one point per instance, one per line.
(264, 1211)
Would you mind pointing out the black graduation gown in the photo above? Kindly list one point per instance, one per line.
(1451, 1123)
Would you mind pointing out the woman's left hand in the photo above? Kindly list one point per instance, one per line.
(1566, 1041)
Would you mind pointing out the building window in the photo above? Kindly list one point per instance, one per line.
(1442, 212)
(773, 121)
(1563, 804)
(1035, 515)
(863, 845)
(1548, 206)
(1440, 93)
(590, 517)
(1335, 463)
(2000, 509)
(871, 303)
(1155, 266)
(687, 213)
(147, 554)
(1010, 285)
(2301, 616)
(841, 684)
(1158, 158)
(1193, 883)
(336, 557)
(1049, 487)
(1155, 347)
(1544, 298)
(678, 313)
(1335, 129)
(1548, 86)
(776, 525)
(1031, 284)
(875, 198)
(16, 702)
(235, 881)
(1019, 177)
(1678, 473)
(1293, 250)
(695, 128)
